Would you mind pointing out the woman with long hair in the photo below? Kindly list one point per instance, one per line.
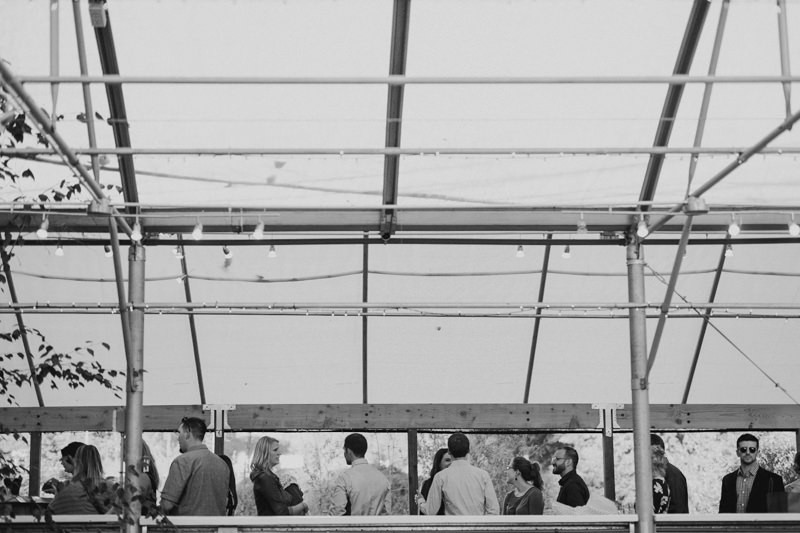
(270, 495)
(441, 460)
(526, 478)
(87, 493)
(661, 492)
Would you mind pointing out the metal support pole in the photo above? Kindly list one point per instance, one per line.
(135, 383)
(35, 467)
(607, 422)
(413, 478)
(639, 392)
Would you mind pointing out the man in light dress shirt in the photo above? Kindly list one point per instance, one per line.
(361, 489)
(465, 489)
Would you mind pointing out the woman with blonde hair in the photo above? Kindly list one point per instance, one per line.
(270, 495)
(87, 493)
(148, 483)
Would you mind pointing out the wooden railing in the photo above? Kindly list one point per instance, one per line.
(773, 523)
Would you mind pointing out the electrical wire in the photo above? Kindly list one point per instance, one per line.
(726, 338)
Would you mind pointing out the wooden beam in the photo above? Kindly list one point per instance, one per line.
(402, 417)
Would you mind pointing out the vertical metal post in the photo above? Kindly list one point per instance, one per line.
(35, 467)
(609, 484)
(135, 382)
(364, 322)
(639, 393)
(413, 478)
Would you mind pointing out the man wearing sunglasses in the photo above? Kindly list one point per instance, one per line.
(745, 489)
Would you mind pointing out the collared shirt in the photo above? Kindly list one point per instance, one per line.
(744, 484)
(361, 490)
(574, 491)
(465, 489)
(197, 483)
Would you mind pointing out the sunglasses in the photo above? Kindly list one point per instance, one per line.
(745, 449)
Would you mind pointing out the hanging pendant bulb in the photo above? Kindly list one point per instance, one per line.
(567, 253)
(59, 249)
(733, 228)
(227, 252)
(272, 253)
(794, 228)
(107, 251)
(729, 250)
(258, 232)
(42, 231)
(136, 232)
(520, 251)
(197, 232)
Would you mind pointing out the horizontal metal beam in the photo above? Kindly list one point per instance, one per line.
(609, 223)
(407, 80)
(415, 151)
(401, 417)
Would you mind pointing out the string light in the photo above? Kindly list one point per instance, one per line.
(272, 253)
(582, 229)
(107, 251)
(258, 232)
(227, 253)
(794, 228)
(197, 232)
(733, 228)
(59, 249)
(178, 252)
(42, 231)
(520, 251)
(729, 250)
(567, 253)
(641, 228)
(136, 232)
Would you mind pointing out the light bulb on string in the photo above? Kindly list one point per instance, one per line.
(733, 228)
(520, 251)
(272, 253)
(136, 232)
(258, 232)
(567, 253)
(107, 251)
(178, 252)
(42, 231)
(227, 252)
(729, 250)
(197, 232)
(582, 228)
(641, 228)
(794, 228)
(59, 249)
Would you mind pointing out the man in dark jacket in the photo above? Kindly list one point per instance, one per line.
(745, 489)
(676, 481)
(574, 491)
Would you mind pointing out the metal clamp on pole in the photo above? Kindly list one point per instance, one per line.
(218, 418)
(608, 416)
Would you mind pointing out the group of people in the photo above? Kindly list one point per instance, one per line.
(455, 487)
(200, 482)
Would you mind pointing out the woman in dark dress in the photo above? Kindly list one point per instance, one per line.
(271, 498)
(526, 498)
(441, 460)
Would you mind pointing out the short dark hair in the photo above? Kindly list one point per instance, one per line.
(572, 453)
(747, 437)
(458, 444)
(71, 449)
(356, 443)
(195, 426)
(655, 440)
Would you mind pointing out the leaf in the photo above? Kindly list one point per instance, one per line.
(27, 173)
(81, 117)
(43, 197)
(106, 345)
(98, 115)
